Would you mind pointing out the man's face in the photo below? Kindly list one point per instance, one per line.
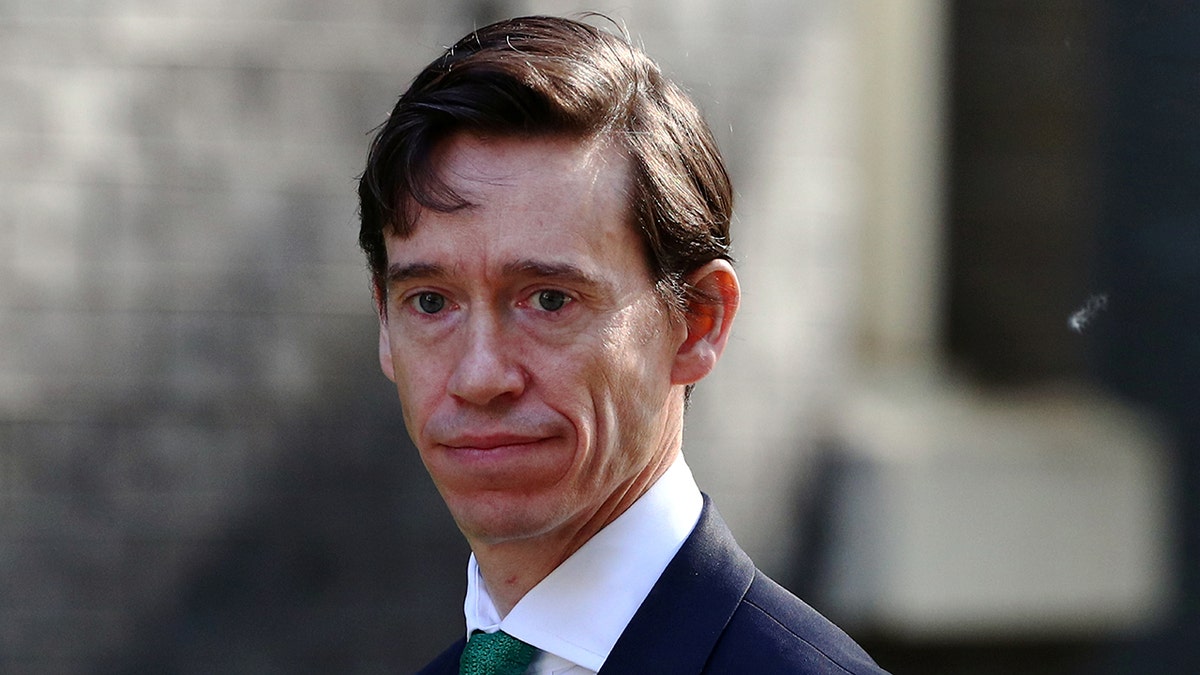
(532, 355)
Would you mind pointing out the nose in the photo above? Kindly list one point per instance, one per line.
(485, 372)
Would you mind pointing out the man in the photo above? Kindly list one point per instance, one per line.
(546, 220)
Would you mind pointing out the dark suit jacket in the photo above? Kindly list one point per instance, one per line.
(712, 611)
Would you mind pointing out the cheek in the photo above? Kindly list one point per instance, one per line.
(631, 383)
(420, 382)
(642, 352)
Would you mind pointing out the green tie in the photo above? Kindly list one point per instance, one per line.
(495, 654)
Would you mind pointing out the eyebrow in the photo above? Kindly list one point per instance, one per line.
(553, 270)
(567, 272)
(397, 273)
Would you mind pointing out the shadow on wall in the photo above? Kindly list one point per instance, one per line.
(345, 561)
(201, 467)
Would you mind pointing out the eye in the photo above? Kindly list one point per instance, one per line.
(429, 302)
(550, 300)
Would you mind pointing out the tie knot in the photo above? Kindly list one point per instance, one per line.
(495, 654)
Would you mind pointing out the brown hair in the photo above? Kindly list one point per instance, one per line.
(538, 76)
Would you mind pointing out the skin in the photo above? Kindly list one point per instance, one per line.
(540, 374)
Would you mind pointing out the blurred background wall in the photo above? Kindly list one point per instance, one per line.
(201, 469)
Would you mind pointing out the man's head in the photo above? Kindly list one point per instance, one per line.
(546, 220)
(545, 76)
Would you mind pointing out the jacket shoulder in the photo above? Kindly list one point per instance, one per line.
(774, 631)
(713, 612)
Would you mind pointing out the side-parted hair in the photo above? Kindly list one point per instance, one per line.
(545, 76)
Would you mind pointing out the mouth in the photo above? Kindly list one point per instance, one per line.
(491, 442)
(495, 459)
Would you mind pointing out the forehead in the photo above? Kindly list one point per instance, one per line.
(544, 195)
(592, 172)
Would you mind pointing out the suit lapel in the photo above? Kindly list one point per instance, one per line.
(678, 624)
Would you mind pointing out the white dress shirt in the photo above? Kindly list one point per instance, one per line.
(575, 615)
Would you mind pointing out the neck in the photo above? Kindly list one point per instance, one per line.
(511, 568)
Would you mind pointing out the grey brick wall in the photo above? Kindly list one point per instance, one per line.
(200, 466)
(201, 469)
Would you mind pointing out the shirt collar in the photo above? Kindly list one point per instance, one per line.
(580, 609)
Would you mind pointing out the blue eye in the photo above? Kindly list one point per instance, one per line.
(430, 303)
(551, 301)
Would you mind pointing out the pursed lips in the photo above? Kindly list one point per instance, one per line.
(490, 441)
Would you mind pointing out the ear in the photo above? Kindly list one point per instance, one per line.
(385, 350)
(709, 317)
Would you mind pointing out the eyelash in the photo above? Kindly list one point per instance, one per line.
(532, 300)
(415, 302)
(534, 297)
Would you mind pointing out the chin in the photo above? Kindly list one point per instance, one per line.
(497, 518)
